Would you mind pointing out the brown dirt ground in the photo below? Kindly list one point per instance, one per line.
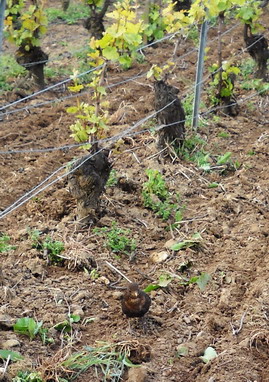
(231, 314)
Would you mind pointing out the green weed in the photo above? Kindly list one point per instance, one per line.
(117, 239)
(113, 179)
(156, 26)
(31, 328)
(66, 325)
(74, 13)
(9, 70)
(12, 355)
(57, 71)
(4, 246)
(256, 84)
(27, 376)
(157, 197)
(165, 279)
(52, 248)
(27, 326)
(223, 134)
(108, 360)
(195, 241)
(247, 67)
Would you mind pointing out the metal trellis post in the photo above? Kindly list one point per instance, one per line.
(2, 14)
(199, 75)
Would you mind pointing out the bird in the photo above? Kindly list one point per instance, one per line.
(135, 302)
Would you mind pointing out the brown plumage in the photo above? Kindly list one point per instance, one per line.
(135, 302)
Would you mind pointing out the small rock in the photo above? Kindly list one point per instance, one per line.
(10, 343)
(158, 257)
(137, 374)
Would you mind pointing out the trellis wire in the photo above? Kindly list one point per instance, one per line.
(111, 140)
(66, 147)
(84, 73)
(30, 194)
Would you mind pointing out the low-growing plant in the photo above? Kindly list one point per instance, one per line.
(28, 376)
(75, 12)
(223, 134)
(166, 278)
(28, 326)
(118, 240)
(9, 70)
(157, 197)
(193, 150)
(52, 248)
(4, 246)
(155, 25)
(66, 325)
(221, 91)
(31, 328)
(113, 179)
(12, 355)
(259, 85)
(195, 241)
(108, 360)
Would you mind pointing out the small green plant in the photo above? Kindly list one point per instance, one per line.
(28, 376)
(52, 248)
(222, 84)
(164, 280)
(4, 246)
(201, 280)
(109, 360)
(157, 197)
(213, 185)
(113, 179)
(28, 326)
(247, 67)
(66, 325)
(75, 12)
(209, 354)
(12, 355)
(155, 26)
(223, 134)
(94, 274)
(9, 70)
(117, 239)
(195, 241)
(259, 85)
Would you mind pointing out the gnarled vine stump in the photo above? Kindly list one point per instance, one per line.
(34, 61)
(95, 22)
(172, 116)
(86, 184)
(257, 47)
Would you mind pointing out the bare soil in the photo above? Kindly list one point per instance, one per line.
(231, 314)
